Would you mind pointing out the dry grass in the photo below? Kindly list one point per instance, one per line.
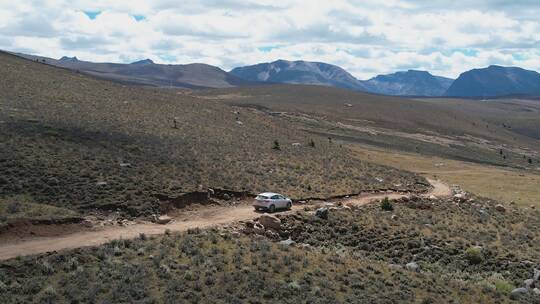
(85, 144)
(462, 130)
(504, 184)
(214, 267)
(22, 207)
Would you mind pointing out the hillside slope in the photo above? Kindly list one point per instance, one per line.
(146, 72)
(73, 141)
(428, 126)
(496, 81)
(423, 251)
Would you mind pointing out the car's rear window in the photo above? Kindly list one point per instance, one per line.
(261, 197)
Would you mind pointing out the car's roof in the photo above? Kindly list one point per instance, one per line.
(268, 194)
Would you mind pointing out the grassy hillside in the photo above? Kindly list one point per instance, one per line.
(430, 127)
(466, 253)
(518, 115)
(499, 183)
(72, 141)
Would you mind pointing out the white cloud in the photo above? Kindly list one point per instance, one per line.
(365, 37)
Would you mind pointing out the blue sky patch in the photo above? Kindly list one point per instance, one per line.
(167, 57)
(519, 57)
(92, 15)
(139, 17)
(267, 49)
(466, 52)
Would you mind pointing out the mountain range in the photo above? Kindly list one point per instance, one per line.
(409, 83)
(146, 72)
(492, 81)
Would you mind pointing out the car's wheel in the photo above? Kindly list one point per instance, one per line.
(289, 205)
(272, 209)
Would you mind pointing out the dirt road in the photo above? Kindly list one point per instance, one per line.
(201, 218)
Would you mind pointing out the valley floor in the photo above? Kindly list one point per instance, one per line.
(499, 183)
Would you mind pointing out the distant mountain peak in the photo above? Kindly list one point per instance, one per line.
(496, 80)
(299, 72)
(409, 83)
(144, 61)
(66, 58)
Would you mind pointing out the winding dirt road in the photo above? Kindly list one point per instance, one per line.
(200, 218)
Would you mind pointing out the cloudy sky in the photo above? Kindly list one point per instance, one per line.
(364, 37)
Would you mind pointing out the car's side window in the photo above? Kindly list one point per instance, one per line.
(275, 197)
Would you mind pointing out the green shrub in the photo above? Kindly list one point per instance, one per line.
(474, 255)
(386, 205)
(276, 145)
(504, 287)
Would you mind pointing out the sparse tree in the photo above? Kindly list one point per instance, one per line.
(312, 143)
(276, 145)
(530, 161)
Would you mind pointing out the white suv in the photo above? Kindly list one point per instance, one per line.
(271, 202)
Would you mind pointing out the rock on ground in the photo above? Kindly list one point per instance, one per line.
(322, 213)
(287, 242)
(500, 208)
(270, 222)
(529, 283)
(518, 292)
(163, 219)
(412, 266)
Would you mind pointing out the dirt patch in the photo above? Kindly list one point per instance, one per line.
(22, 229)
(197, 218)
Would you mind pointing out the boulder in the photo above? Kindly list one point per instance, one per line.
(536, 291)
(163, 219)
(412, 266)
(249, 223)
(517, 292)
(460, 198)
(500, 208)
(287, 242)
(432, 197)
(306, 246)
(270, 222)
(258, 228)
(536, 275)
(271, 234)
(322, 213)
(529, 283)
